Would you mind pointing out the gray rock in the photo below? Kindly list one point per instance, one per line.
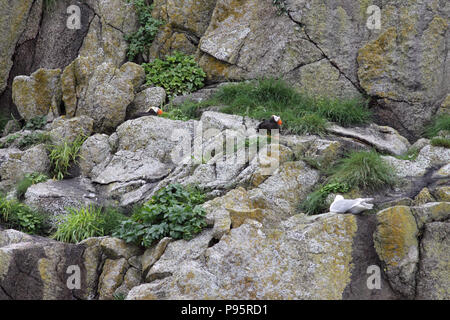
(95, 150)
(68, 130)
(144, 100)
(384, 139)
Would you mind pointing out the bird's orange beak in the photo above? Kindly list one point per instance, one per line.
(160, 112)
(280, 122)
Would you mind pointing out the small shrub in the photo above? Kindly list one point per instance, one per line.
(62, 156)
(36, 123)
(18, 216)
(440, 142)
(87, 222)
(440, 123)
(366, 170)
(178, 74)
(141, 40)
(29, 180)
(173, 211)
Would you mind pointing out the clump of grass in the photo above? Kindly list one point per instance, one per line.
(440, 123)
(301, 114)
(87, 222)
(186, 111)
(16, 215)
(365, 170)
(28, 181)
(440, 142)
(411, 154)
(63, 155)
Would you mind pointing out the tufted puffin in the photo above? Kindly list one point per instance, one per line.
(274, 123)
(153, 111)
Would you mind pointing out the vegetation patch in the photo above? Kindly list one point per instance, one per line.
(62, 156)
(16, 215)
(440, 142)
(365, 170)
(174, 211)
(87, 222)
(440, 123)
(28, 181)
(301, 114)
(178, 74)
(315, 203)
(36, 123)
(141, 40)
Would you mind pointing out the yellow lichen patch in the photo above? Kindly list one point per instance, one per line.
(373, 58)
(443, 193)
(333, 264)
(5, 259)
(423, 197)
(215, 69)
(396, 233)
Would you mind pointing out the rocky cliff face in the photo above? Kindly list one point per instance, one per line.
(322, 48)
(257, 245)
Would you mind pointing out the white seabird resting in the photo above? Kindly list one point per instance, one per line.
(341, 205)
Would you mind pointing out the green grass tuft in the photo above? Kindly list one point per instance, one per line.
(62, 156)
(87, 222)
(301, 114)
(28, 181)
(440, 142)
(365, 170)
(440, 123)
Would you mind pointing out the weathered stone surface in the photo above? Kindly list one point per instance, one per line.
(39, 94)
(14, 164)
(13, 22)
(428, 157)
(53, 197)
(115, 249)
(111, 277)
(297, 261)
(35, 268)
(144, 100)
(396, 242)
(384, 139)
(185, 22)
(433, 281)
(95, 150)
(108, 94)
(68, 130)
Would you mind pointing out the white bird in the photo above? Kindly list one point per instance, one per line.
(341, 205)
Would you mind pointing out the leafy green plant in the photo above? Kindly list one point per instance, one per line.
(28, 180)
(173, 211)
(440, 142)
(440, 123)
(87, 222)
(178, 74)
(36, 123)
(19, 216)
(63, 155)
(364, 169)
(32, 139)
(141, 40)
(11, 138)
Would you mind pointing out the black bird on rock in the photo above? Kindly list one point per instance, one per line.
(273, 123)
(153, 111)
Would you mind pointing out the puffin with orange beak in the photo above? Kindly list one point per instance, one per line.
(153, 111)
(273, 123)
